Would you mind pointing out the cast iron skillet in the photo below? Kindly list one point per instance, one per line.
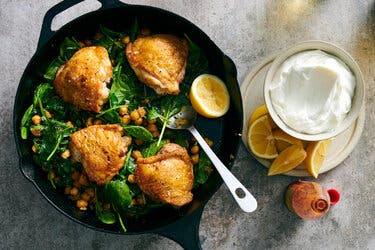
(180, 225)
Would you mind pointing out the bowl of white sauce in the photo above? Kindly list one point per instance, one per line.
(314, 90)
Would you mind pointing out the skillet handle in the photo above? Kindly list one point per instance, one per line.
(46, 33)
(185, 231)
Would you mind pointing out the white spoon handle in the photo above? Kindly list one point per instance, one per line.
(242, 196)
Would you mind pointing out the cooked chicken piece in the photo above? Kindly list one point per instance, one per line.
(101, 149)
(159, 61)
(167, 176)
(83, 79)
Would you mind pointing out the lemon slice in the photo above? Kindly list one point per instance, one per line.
(260, 111)
(283, 140)
(209, 96)
(260, 138)
(316, 152)
(290, 158)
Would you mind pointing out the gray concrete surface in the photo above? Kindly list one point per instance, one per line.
(247, 31)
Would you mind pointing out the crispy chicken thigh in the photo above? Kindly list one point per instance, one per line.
(167, 176)
(101, 149)
(83, 79)
(159, 61)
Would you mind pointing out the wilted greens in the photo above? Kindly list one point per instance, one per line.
(50, 137)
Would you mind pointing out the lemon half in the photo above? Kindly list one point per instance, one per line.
(209, 96)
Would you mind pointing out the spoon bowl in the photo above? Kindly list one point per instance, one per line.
(185, 119)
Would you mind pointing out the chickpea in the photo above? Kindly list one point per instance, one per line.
(137, 154)
(131, 178)
(82, 204)
(145, 31)
(152, 127)
(70, 124)
(134, 115)
(77, 184)
(209, 142)
(34, 149)
(90, 192)
(66, 154)
(83, 180)
(75, 175)
(142, 111)
(51, 175)
(139, 142)
(36, 119)
(88, 42)
(138, 122)
(36, 132)
(67, 190)
(194, 149)
(195, 159)
(90, 121)
(125, 39)
(74, 191)
(140, 200)
(48, 114)
(85, 197)
(126, 119)
(152, 121)
(155, 134)
(123, 111)
(98, 122)
(98, 35)
(134, 202)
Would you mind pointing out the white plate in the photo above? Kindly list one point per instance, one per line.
(252, 96)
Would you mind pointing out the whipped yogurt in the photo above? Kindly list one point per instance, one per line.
(312, 91)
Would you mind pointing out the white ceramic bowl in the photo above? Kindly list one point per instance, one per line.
(357, 101)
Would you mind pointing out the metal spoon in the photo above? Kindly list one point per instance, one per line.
(185, 119)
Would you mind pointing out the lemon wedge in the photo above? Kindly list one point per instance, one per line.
(209, 96)
(283, 140)
(316, 153)
(260, 138)
(288, 159)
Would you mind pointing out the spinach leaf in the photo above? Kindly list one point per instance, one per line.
(197, 62)
(104, 216)
(139, 132)
(111, 41)
(134, 32)
(153, 148)
(67, 48)
(203, 170)
(25, 121)
(131, 165)
(40, 92)
(110, 115)
(142, 209)
(125, 86)
(52, 69)
(110, 33)
(169, 106)
(119, 194)
(55, 137)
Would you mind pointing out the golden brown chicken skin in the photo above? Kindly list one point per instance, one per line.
(159, 61)
(167, 176)
(101, 149)
(83, 79)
